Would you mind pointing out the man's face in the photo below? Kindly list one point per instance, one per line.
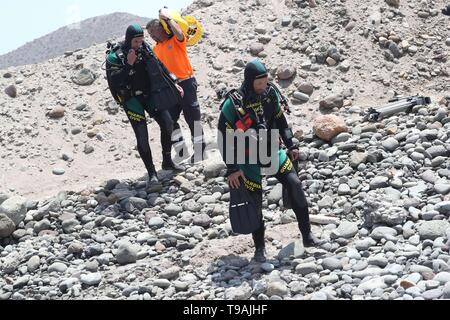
(260, 85)
(157, 33)
(136, 43)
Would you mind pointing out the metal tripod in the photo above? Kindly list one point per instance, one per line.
(396, 105)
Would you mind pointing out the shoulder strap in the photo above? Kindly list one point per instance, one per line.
(236, 98)
(283, 100)
(237, 110)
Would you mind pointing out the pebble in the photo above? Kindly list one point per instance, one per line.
(57, 267)
(126, 254)
(277, 289)
(91, 279)
(58, 171)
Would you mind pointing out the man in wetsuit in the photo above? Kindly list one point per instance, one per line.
(129, 67)
(260, 104)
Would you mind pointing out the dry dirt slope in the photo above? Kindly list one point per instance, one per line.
(295, 40)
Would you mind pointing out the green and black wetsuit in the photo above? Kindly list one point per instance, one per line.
(263, 108)
(135, 83)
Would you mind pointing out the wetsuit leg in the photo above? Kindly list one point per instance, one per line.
(258, 235)
(192, 114)
(165, 123)
(136, 115)
(177, 138)
(290, 180)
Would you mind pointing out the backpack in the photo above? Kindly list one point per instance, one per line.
(164, 91)
(114, 88)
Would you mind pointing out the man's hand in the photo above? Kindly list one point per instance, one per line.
(233, 179)
(132, 57)
(164, 14)
(180, 89)
(294, 154)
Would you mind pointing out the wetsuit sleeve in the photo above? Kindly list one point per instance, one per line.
(164, 69)
(282, 124)
(224, 125)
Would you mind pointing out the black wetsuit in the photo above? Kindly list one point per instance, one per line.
(139, 100)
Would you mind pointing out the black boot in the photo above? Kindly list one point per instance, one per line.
(311, 241)
(152, 175)
(260, 246)
(169, 165)
(152, 178)
(260, 255)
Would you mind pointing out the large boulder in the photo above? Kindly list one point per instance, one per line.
(393, 3)
(433, 229)
(329, 126)
(345, 230)
(334, 101)
(52, 205)
(131, 204)
(3, 197)
(244, 292)
(214, 169)
(294, 249)
(286, 72)
(126, 254)
(15, 209)
(11, 91)
(256, 48)
(85, 77)
(202, 220)
(306, 88)
(57, 112)
(7, 226)
(275, 194)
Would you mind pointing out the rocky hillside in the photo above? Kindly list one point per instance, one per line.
(379, 192)
(88, 32)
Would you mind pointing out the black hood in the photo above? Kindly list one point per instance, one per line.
(133, 31)
(253, 71)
